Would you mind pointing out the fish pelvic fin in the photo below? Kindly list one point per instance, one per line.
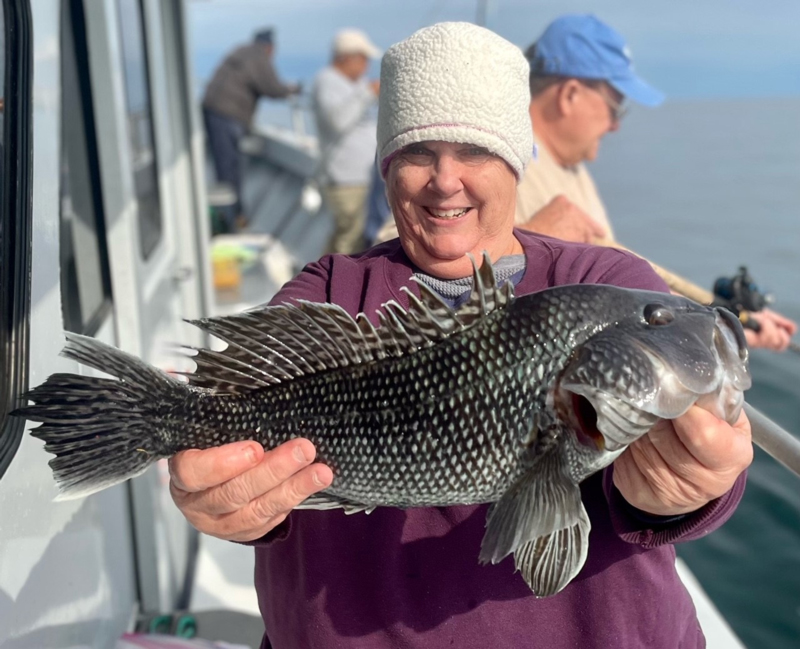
(324, 501)
(101, 431)
(542, 520)
(278, 343)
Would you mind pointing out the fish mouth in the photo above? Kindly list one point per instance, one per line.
(582, 417)
(617, 388)
(602, 421)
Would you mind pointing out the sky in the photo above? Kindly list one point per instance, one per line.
(687, 48)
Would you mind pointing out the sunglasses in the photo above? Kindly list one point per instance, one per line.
(618, 108)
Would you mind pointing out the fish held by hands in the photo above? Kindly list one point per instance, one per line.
(505, 400)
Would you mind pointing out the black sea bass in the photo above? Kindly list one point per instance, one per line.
(512, 401)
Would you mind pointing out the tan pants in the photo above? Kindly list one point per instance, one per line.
(348, 204)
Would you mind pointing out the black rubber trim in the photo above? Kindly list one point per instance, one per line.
(15, 213)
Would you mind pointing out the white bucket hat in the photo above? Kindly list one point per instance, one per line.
(456, 82)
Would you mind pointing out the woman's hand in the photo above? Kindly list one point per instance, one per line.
(239, 492)
(682, 464)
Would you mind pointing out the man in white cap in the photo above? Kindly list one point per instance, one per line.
(343, 101)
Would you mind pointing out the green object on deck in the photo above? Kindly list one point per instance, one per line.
(186, 626)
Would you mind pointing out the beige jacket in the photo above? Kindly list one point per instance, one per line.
(545, 179)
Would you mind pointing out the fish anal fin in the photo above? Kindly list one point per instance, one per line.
(550, 562)
(542, 520)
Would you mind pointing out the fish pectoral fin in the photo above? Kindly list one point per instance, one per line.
(550, 562)
(541, 519)
(324, 500)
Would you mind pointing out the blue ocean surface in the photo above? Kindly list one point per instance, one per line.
(701, 187)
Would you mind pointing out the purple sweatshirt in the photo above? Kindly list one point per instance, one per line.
(411, 578)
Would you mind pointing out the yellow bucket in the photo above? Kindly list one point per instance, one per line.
(227, 274)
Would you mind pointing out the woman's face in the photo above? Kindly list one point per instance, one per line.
(451, 199)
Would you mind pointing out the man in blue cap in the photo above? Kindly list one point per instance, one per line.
(582, 79)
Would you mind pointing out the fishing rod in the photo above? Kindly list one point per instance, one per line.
(773, 439)
(738, 294)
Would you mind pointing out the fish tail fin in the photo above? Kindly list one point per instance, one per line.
(101, 431)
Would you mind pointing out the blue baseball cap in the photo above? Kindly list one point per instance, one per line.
(583, 47)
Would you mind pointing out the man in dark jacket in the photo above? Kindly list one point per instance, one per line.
(244, 76)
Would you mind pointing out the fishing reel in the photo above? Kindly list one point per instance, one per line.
(740, 293)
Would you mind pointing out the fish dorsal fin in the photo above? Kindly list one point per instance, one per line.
(279, 343)
(485, 296)
(253, 358)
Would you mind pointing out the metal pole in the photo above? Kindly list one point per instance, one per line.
(480, 19)
(774, 440)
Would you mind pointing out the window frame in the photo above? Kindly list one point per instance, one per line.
(16, 215)
(148, 244)
(77, 23)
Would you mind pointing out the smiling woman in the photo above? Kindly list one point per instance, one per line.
(452, 165)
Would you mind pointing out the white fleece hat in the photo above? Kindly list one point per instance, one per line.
(456, 82)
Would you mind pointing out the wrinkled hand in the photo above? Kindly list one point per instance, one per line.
(683, 464)
(776, 331)
(239, 492)
(562, 219)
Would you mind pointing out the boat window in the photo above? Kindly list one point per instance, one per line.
(85, 277)
(15, 217)
(140, 124)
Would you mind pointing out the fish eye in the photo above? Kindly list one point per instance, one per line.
(658, 315)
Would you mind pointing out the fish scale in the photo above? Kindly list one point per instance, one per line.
(443, 426)
(336, 410)
(510, 401)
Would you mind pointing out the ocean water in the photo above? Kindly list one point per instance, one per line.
(702, 187)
